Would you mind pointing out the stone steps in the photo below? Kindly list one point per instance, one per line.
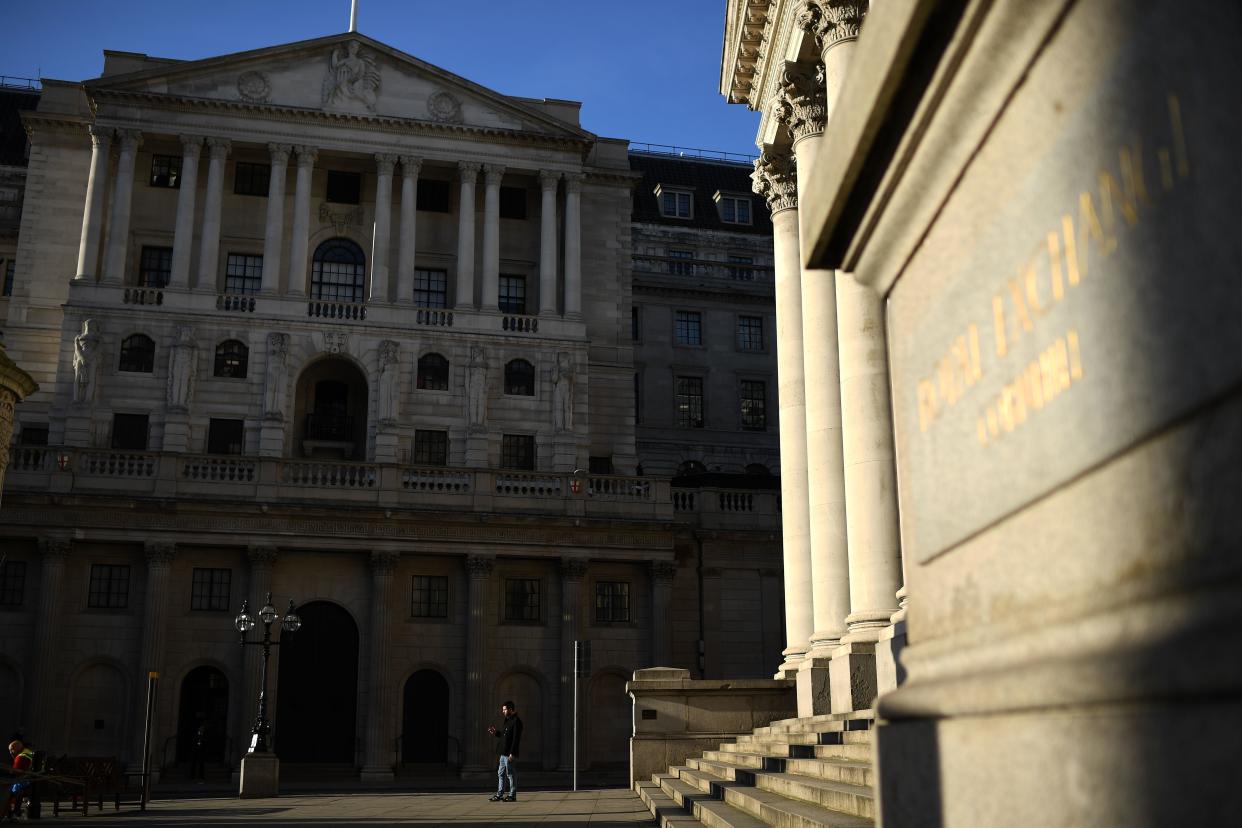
(833, 769)
(837, 796)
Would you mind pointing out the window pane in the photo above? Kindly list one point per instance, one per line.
(165, 171)
(232, 359)
(109, 587)
(430, 288)
(429, 596)
(154, 266)
(129, 432)
(521, 600)
(689, 399)
(520, 378)
(612, 601)
(512, 294)
(12, 583)
(433, 373)
(344, 187)
(754, 405)
(433, 195)
(225, 436)
(137, 354)
(251, 179)
(683, 205)
(243, 273)
(688, 328)
(512, 203)
(10, 271)
(210, 589)
(430, 448)
(750, 333)
(517, 451)
(338, 272)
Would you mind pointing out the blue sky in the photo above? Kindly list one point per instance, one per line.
(647, 70)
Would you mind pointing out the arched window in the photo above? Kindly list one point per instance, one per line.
(433, 372)
(137, 354)
(338, 272)
(520, 378)
(232, 359)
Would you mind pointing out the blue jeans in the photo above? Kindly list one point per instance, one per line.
(505, 771)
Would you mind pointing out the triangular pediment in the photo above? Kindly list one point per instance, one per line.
(347, 74)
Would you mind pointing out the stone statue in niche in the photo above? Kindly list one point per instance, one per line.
(563, 394)
(389, 382)
(277, 376)
(353, 75)
(476, 386)
(85, 363)
(181, 364)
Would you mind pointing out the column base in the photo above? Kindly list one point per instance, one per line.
(814, 687)
(889, 672)
(853, 677)
(260, 776)
(376, 774)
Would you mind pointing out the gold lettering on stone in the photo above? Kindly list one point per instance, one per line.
(1036, 386)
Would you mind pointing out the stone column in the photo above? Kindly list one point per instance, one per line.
(301, 221)
(44, 718)
(154, 629)
(274, 226)
(662, 574)
(262, 563)
(378, 761)
(465, 236)
(209, 242)
(775, 180)
(183, 235)
(479, 573)
(122, 206)
(547, 243)
(410, 166)
(491, 236)
(380, 243)
(15, 386)
(92, 214)
(573, 245)
(572, 571)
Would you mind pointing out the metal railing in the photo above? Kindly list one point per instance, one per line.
(703, 269)
(334, 427)
(13, 82)
(694, 152)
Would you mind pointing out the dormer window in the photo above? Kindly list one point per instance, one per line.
(675, 203)
(734, 208)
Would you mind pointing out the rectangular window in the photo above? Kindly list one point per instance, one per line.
(750, 333)
(33, 435)
(431, 288)
(209, 589)
(517, 451)
(521, 599)
(344, 187)
(689, 402)
(129, 432)
(734, 210)
(635, 325)
(600, 465)
(109, 587)
(738, 269)
(429, 596)
(512, 294)
(433, 195)
(684, 264)
(638, 399)
(513, 202)
(243, 273)
(251, 179)
(674, 204)
(688, 327)
(165, 171)
(12, 583)
(10, 273)
(612, 601)
(430, 448)
(754, 405)
(225, 436)
(154, 266)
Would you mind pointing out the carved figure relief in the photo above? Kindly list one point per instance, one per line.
(181, 366)
(277, 376)
(342, 218)
(253, 87)
(352, 76)
(563, 394)
(335, 342)
(476, 386)
(444, 108)
(389, 403)
(85, 363)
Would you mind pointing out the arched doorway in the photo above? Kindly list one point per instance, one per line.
(610, 723)
(331, 410)
(204, 704)
(425, 708)
(317, 689)
(97, 712)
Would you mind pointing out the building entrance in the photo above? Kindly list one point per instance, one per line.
(204, 706)
(317, 689)
(424, 736)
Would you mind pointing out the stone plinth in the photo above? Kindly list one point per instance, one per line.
(676, 717)
(260, 776)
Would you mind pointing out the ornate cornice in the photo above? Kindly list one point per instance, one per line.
(159, 553)
(479, 566)
(801, 105)
(776, 179)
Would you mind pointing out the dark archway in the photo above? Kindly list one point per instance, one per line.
(331, 409)
(205, 704)
(425, 706)
(317, 689)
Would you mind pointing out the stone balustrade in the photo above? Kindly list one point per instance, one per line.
(142, 296)
(519, 324)
(728, 507)
(703, 269)
(238, 302)
(346, 311)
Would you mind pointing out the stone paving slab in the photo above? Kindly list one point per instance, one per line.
(597, 808)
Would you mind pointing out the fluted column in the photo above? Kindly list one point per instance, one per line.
(572, 572)
(301, 220)
(209, 242)
(378, 760)
(122, 206)
(274, 226)
(380, 243)
(262, 563)
(479, 573)
(410, 166)
(469, 174)
(183, 235)
(573, 244)
(44, 718)
(548, 182)
(491, 236)
(775, 180)
(662, 574)
(159, 556)
(92, 214)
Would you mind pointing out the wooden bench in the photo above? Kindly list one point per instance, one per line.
(82, 779)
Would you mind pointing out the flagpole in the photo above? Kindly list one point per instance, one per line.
(353, 16)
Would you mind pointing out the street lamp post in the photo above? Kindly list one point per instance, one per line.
(260, 771)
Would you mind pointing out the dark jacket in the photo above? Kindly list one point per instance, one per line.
(510, 736)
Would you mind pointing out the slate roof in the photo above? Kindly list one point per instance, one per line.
(12, 134)
(706, 178)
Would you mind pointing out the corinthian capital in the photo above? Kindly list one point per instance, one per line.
(776, 180)
(843, 21)
(801, 105)
(384, 163)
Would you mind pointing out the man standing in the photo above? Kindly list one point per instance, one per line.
(23, 761)
(510, 739)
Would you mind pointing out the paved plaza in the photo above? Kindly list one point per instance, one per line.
(608, 807)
